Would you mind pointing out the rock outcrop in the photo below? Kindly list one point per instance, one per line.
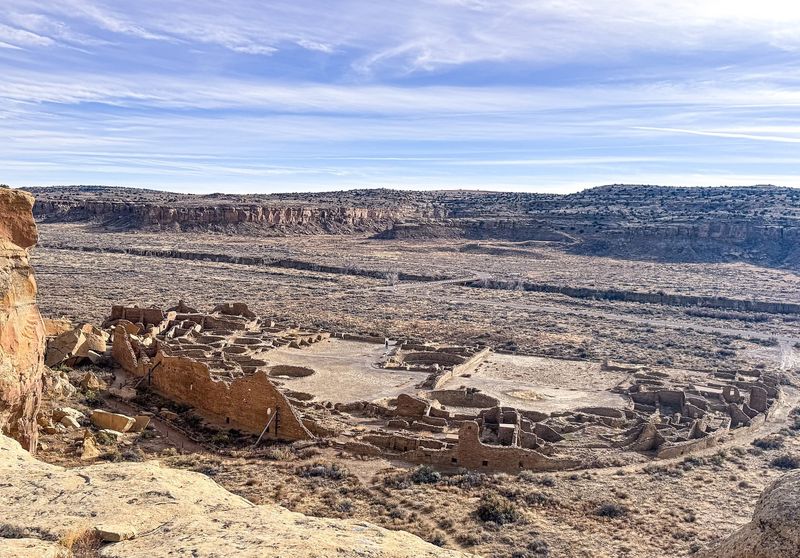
(775, 528)
(21, 327)
(171, 512)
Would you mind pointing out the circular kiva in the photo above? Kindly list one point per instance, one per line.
(285, 370)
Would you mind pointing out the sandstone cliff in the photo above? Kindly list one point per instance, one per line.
(175, 513)
(21, 327)
(775, 528)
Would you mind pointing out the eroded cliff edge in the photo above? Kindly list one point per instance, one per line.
(21, 327)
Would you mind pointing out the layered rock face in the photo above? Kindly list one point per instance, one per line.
(148, 215)
(775, 528)
(21, 327)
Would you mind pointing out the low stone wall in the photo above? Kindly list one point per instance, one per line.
(458, 370)
(432, 357)
(463, 398)
(290, 371)
(693, 446)
(471, 453)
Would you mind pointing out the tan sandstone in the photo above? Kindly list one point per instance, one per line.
(21, 326)
(775, 528)
(111, 421)
(180, 513)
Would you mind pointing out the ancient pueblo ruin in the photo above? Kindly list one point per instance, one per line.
(423, 403)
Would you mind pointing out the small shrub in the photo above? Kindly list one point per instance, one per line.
(768, 443)
(538, 548)
(83, 542)
(279, 453)
(786, 461)
(133, 454)
(208, 470)
(105, 439)
(611, 510)
(344, 505)
(398, 481)
(220, 438)
(91, 398)
(467, 479)
(321, 470)
(498, 510)
(718, 459)
(425, 475)
(438, 538)
(540, 499)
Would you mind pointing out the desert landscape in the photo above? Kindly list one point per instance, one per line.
(361, 362)
(420, 279)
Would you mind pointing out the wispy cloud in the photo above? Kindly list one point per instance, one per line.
(719, 134)
(503, 93)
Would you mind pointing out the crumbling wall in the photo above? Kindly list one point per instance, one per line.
(128, 355)
(246, 403)
(463, 398)
(471, 453)
(465, 367)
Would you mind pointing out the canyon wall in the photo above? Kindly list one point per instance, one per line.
(122, 215)
(759, 225)
(21, 327)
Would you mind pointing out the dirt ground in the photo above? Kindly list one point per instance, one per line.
(345, 371)
(544, 384)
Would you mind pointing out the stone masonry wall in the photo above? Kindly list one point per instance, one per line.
(245, 403)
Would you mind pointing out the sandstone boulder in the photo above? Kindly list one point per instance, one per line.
(775, 528)
(21, 326)
(114, 532)
(72, 346)
(69, 423)
(111, 421)
(90, 449)
(63, 347)
(57, 384)
(62, 412)
(90, 381)
(142, 421)
(56, 326)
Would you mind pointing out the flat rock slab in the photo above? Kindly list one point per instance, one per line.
(111, 421)
(110, 532)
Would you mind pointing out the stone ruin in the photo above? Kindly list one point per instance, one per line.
(442, 363)
(218, 364)
(211, 363)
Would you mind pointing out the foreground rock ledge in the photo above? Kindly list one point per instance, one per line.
(178, 513)
(775, 529)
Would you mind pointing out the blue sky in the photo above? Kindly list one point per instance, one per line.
(549, 95)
